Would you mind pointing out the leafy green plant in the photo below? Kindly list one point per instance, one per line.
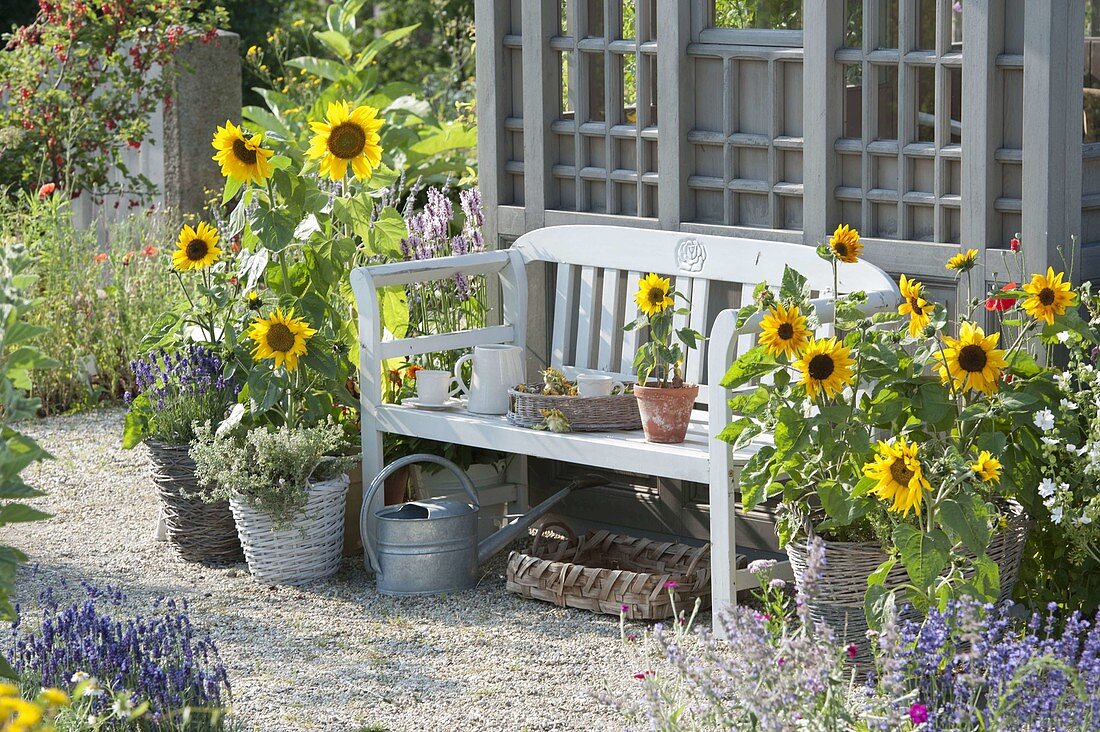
(19, 359)
(269, 469)
(97, 302)
(902, 427)
(342, 64)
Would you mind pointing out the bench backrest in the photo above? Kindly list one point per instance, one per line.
(596, 271)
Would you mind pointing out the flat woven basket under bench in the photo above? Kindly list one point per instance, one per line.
(603, 572)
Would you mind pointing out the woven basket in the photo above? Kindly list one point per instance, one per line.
(199, 531)
(603, 572)
(838, 603)
(585, 414)
(307, 550)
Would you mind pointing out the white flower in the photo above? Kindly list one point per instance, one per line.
(1068, 405)
(91, 688)
(1063, 380)
(122, 707)
(78, 677)
(1084, 520)
(1052, 441)
(1056, 516)
(1046, 488)
(1044, 420)
(758, 566)
(1062, 336)
(1071, 447)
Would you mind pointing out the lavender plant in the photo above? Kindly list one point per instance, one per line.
(454, 304)
(751, 675)
(175, 392)
(971, 668)
(173, 674)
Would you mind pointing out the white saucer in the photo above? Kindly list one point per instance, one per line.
(449, 404)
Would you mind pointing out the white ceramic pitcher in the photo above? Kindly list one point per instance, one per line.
(496, 369)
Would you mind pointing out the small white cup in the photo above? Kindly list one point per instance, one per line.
(434, 387)
(598, 385)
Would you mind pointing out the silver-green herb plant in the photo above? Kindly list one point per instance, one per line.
(269, 469)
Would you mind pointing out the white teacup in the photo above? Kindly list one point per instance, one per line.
(598, 385)
(434, 387)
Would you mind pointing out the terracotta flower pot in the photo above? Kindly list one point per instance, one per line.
(666, 412)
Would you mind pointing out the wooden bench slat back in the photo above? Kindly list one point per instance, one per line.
(597, 269)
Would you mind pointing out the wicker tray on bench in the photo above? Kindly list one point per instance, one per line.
(603, 572)
(585, 414)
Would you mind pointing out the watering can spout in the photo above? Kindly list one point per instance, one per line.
(492, 545)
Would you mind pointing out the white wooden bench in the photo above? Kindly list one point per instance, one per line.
(596, 272)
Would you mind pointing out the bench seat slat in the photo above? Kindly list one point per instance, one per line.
(627, 450)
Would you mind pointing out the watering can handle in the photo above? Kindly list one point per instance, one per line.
(380, 479)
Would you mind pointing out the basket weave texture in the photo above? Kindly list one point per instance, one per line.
(838, 601)
(309, 549)
(585, 414)
(199, 531)
(602, 572)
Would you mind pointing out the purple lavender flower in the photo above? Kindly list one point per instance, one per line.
(186, 386)
(160, 658)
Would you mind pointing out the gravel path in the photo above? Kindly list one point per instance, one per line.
(334, 655)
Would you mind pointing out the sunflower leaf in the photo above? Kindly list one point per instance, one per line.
(924, 554)
(967, 517)
(753, 363)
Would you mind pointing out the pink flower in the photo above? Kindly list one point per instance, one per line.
(643, 675)
(624, 608)
(762, 616)
(631, 637)
(671, 585)
(780, 661)
(918, 713)
(852, 650)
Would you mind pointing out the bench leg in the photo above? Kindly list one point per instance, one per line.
(723, 542)
(373, 462)
(516, 473)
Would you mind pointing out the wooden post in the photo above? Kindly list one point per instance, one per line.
(540, 107)
(823, 108)
(490, 23)
(1053, 58)
(677, 85)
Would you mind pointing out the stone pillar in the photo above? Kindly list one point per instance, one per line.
(206, 93)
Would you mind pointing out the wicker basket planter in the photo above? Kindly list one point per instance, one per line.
(307, 550)
(199, 531)
(839, 596)
(602, 572)
(585, 414)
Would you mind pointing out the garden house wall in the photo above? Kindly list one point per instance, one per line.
(913, 120)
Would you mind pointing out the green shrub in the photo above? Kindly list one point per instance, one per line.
(96, 300)
(18, 358)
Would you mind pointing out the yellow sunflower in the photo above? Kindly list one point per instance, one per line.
(281, 337)
(987, 467)
(845, 244)
(347, 136)
(196, 248)
(1047, 296)
(784, 331)
(241, 157)
(914, 305)
(653, 294)
(825, 366)
(963, 261)
(972, 361)
(899, 475)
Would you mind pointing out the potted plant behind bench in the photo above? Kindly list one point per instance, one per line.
(906, 442)
(664, 400)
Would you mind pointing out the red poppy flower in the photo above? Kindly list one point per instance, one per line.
(149, 251)
(47, 189)
(1000, 304)
(100, 258)
(1014, 244)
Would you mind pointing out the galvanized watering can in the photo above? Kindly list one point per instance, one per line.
(430, 546)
